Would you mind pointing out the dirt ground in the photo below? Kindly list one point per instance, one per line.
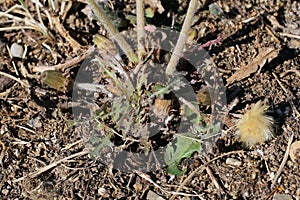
(43, 155)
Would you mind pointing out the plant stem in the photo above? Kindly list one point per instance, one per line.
(114, 32)
(176, 55)
(140, 19)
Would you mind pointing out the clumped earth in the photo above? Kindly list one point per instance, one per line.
(43, 155)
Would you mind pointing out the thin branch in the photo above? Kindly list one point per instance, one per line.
(14, 78)
(147, 178)
(13, 28)
(50, 166)
(113, 31)
(140, 19)
(288, 93)
(171, 68)
(65, 34)
(290, 35)
(63, 66)
(200, 169)
(285, 157)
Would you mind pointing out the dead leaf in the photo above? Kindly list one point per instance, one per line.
(203, 96)
(294, 44)
(153, 196)
(265, 55)
(162, 107)
(155, 4)
(295, 151)
(274, 21)
(138, 187)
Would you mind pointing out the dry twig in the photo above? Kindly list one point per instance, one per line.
(297, 72)
(52, 165)
(147, 178)
(63, 66)
(285, 157)
(14, 78)
(214, 180)
(200, 169)
(65, 34)
(289, 93)
(290, 35)
(264, 56)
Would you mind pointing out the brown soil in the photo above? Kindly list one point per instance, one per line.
(43, 156)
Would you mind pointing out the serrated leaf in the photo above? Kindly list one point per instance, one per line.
(99, 144)
(192, 115)
(159, 90)
(102, 113)
(185, 147)
(120, 108)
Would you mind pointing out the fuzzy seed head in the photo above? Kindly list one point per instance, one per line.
(254, 126)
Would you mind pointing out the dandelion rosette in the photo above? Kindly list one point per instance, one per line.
(114, 111)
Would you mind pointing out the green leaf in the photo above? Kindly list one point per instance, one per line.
(149, 12)
(159, 90)
(99, 144)
(131, 18)
(191, 115)
(186, 145)
(215, 9)
(120, 109)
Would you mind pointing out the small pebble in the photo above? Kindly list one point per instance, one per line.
(101, 191)
(5, 192)
(16, 50)
(233, 162)
(248, 5)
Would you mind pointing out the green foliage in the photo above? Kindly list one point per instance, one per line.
(99, 144)
(185, 147)
(159, 90)
(205, 131)
(149, 12)
(37, 26)
(215, 10)
(111, 14)
(109, 26)
(191, 115)
(187, 144)
(131, 18)
(127, 112)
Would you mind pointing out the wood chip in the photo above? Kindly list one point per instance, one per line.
(265, 55)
